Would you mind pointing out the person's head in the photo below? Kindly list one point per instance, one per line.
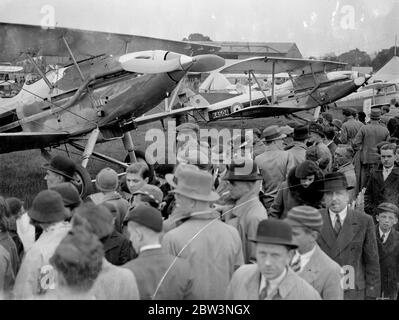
(329, 133)
(144, 226)
(70, 196)
(337, 125)
(301, 133)
(137, 175)
(375, 115)
(272, 136)
(327, 118)
(16, 206)
(187, 132)
(60, 169)
(289, 133)
(316, 132)
(192, 188)
(361, 116)
(242, 177)
(274, 245)
(314, 154)
(48, 208)
(387, 155)
(78, 260)
(307, 172)
(336, 193)
(387, 216)
(4, 213)
(107, 180)
(343, 154)
(97, 218)
(306, 223)
(347, 113)
(385, 109)
(148, 194)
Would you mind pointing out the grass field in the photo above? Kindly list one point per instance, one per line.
(21, 174)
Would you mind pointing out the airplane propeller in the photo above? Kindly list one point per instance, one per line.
(159, 61)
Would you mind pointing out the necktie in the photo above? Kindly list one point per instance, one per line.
(382, 238)
(338, 225)
(296, 263)
(263, 292)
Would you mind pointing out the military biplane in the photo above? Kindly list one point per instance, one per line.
(312, 83)
(112, 80)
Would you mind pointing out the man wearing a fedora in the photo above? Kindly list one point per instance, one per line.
(212, 247)
(274, 163)
(348, 237)
(271, 278)
(310, 262)
(159, 275)
(365, 142)
(298, 146)
(59, 169)
(248, 211)
(47, 210)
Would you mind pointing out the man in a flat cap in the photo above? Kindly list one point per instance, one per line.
(350, 127)
(271, 278)
(212, 247)
(388, 249)
(159, 275)
(366, 141)
(310, 262)
(348, 237)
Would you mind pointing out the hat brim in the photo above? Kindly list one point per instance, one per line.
(213, 196)
(232, 177)
(273, 240)
(302, 137)
(337, 189)
(60, 216)
(47, 166)
(280, 137)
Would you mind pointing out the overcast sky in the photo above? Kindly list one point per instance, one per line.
(316, 26)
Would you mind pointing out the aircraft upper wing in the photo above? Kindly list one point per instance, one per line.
(10, 142)
(264, 65)
(19, 38)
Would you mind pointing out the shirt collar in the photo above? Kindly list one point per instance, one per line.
(150, 247)
(342, 214)
(307, 255)
(386, 234)
(274, 283)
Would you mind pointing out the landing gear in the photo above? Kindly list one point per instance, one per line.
(82, 181)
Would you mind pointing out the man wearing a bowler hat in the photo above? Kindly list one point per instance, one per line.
(159, 275)
(59, 169)
(274, 163)
(310, 262)
(348, 237)
(34, 277)
(248, 211)
(298, 147)
(365, 142)
(212, 247)
(271, 278)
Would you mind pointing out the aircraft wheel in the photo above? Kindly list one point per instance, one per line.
(82, 181)
(140, 156)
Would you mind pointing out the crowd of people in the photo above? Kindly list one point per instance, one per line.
(302, 211)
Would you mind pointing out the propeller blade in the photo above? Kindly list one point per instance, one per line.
(206, 63)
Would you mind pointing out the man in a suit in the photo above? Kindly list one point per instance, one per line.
(310, 262)
(348, 237)
(383, 185)
(271, 278)
(159, 275)
(388, 249)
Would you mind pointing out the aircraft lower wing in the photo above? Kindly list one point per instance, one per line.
(10, 142)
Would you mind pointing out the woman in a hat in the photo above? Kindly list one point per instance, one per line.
(303, 187)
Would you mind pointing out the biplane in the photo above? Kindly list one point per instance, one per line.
(111, 80)
(312, 83)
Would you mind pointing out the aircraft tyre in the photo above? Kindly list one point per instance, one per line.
(83, 181)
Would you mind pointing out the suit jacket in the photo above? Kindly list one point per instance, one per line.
(389, 263)
(324, 274)
(355, 249)
(367, 139)
(150, 267)
(118, 249)
(349, 130)
(378, 190)
(246, 280)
